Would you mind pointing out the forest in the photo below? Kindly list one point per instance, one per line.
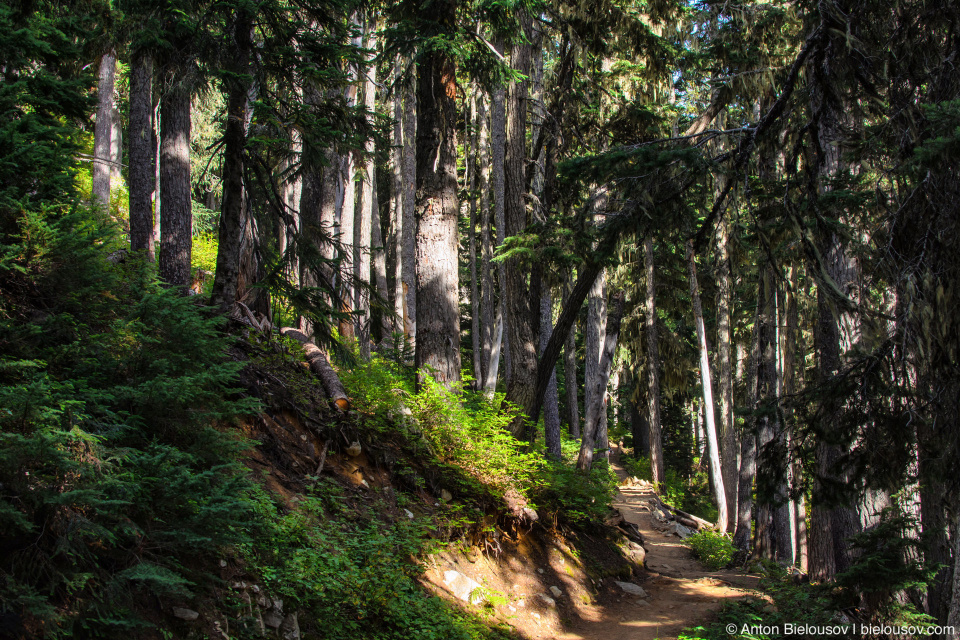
(511, 247)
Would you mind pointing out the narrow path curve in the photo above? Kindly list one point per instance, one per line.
(681, 592)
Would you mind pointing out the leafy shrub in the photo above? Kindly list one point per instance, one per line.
(638, 468)
(461, 430)
(712, 548)
(115, 484)
(351, 572)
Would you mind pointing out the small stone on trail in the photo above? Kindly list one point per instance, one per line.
(632, 589)
(185, 614)
(539, 570)
(680, 531)
(550, 602)
(556, 592)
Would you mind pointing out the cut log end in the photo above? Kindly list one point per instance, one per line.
(321, 368)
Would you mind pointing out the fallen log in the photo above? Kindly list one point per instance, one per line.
(321, 368)
(684, 518)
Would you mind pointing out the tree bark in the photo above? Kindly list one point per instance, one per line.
(321, 368)
(142, 172)
(748, 446)
(498, 141)
(438, 321)
(476, 339)
(653, 364)
(570, 370)
(594, 332)
(396, 203)
(487, 304)
(103, 131)
(611, 336)
(551, 407)
(729, 446)
(232, 218)
(713, 447)
(521, 386)
(176, 213)
(409, 234)
(364, 218)
(789, 349)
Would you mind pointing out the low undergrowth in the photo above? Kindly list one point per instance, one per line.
(465, 433)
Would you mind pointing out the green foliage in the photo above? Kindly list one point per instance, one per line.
(713, 548)
(352, 570)
(691, 494)
(574, 497)
(796, 604)
(464, 434)
(638, 468)
(116, 486)
(43, 97)
(463, 431)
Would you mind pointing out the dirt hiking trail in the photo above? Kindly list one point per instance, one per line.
(681, 593)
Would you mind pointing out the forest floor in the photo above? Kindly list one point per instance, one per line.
(681, 593)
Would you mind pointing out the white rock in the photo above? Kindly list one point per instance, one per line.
(463, 587)
(185, 614)
(632, 589)
(290, 628)
(530, 514)
(550, 602)
(223, 563)
(680, 531)
(446, 496)
(539, 570)
(556, 592)
(273, 620)
(409, 513)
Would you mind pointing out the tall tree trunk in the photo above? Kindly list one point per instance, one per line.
(155, 237)
(570, 370)
(476, 339)
(232, 218)
(748, 446)
(498, 142)
(379, 256)
(364, 218)
(773, 532)
(176, 214)
(438, 321)
(729, 446)
(396, 201)
(789, 349)
(653, 364)
(594, 334)
(103, 130)
(521, 386)
(487, 311)
(713, 447)
(348, 207)
(593, 409)
(409, 234)
(551, 407)
(142, 172)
